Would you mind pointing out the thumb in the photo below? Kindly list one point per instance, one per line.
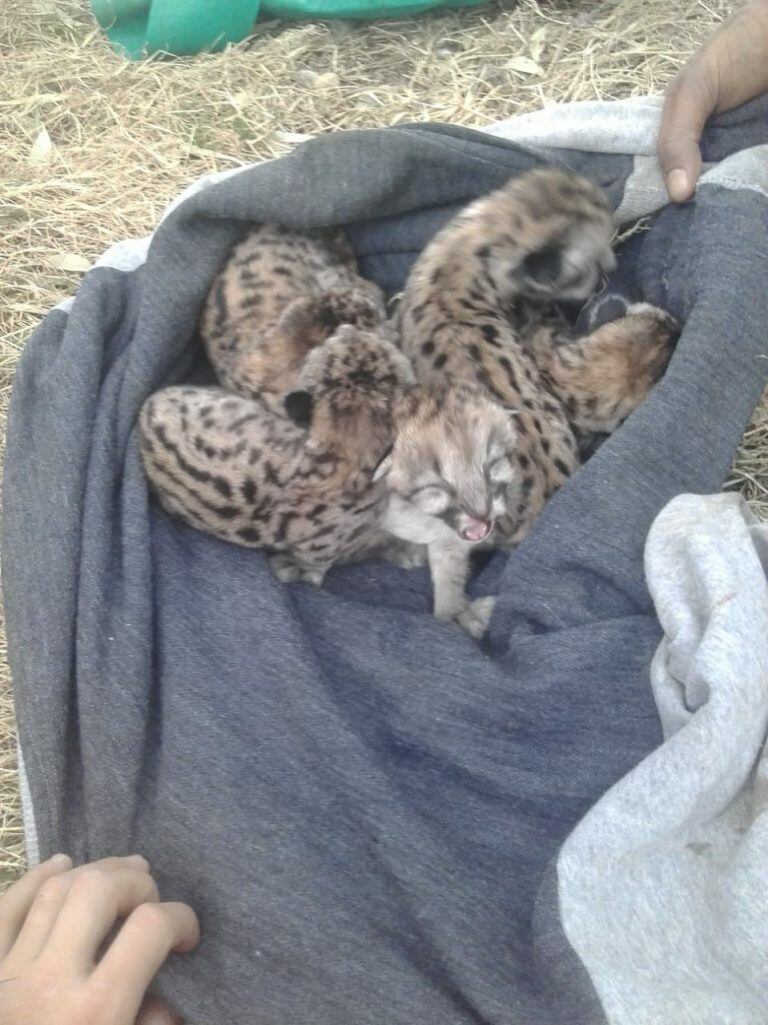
(156, 1012)
(687, 105)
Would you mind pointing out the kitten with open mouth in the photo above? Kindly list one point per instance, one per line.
(450, 482)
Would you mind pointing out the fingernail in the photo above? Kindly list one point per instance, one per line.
(678, 185)
(60, 861)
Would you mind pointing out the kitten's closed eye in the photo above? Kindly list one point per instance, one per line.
(431, 499)
(500, 471)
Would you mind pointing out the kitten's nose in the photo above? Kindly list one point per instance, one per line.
(477, 529)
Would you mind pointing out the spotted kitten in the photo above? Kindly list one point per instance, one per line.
(478, 311)
(302, 487)
(278, 295)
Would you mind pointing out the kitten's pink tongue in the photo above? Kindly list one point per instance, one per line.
(477, 530)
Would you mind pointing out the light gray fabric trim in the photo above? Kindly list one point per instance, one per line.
(126, 255)
(628, 127)
(644, 191)
(27, 812)
(747, 169)
(596, 126)
(662, 884)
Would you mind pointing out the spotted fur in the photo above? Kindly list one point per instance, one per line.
(278, 295)
(305, 490)
(478, 311)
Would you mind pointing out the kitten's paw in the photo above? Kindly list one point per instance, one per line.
(289, 572)
(475, 618)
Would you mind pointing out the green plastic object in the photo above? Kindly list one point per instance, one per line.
(356, 9)
(137, 28)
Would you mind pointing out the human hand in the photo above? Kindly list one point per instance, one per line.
(54, 966)
(731, 68)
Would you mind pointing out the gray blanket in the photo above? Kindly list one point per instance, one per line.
(380, 822)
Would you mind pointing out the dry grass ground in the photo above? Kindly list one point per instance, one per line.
(92, 147)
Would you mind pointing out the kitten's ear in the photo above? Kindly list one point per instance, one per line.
(298, 408)
(384, 465)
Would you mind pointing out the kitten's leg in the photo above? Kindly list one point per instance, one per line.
(449, 567)
(604, 376)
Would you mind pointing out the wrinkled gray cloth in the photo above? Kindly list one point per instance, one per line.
(663, 884)
(380, 822)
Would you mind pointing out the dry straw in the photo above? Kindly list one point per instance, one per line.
(93, 147)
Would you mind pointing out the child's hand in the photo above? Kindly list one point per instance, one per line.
(731, 68)
(53, 926)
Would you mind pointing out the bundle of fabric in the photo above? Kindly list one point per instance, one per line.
(379, 820)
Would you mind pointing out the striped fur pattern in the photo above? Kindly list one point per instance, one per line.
(302, 489)
(478, 311)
